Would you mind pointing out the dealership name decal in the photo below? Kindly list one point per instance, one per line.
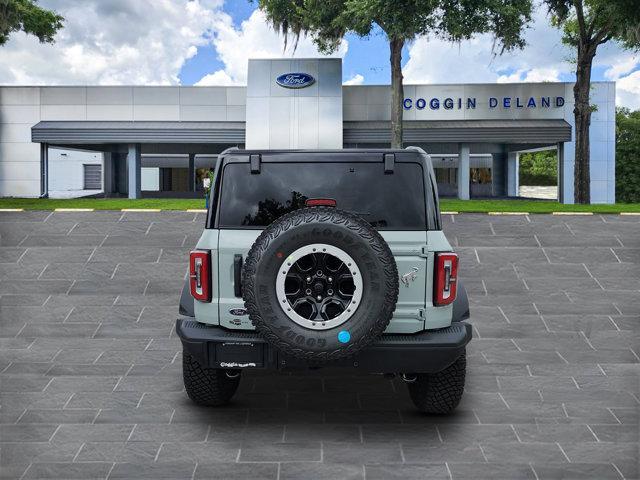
(469, 103)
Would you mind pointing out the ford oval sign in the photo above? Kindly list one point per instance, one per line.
(295, 80)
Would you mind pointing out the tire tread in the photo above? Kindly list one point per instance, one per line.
(441, 392)
(207, 386)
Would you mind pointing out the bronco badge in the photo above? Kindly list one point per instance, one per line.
(409, 276)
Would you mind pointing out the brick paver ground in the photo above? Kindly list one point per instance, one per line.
(90, 373)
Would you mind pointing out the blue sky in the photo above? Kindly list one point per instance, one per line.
(365, 56)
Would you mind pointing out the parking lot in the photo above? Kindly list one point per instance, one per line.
(90, 366)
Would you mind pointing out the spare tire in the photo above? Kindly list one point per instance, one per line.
(320, 284)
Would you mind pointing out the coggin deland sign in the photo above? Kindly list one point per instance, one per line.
(302, 80)
(469, 103)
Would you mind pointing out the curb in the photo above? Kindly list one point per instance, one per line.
(507, 213)
(130, 210)
(571, 213)
(448, 213)
(74, 210)
(630, 213)
(140, 210)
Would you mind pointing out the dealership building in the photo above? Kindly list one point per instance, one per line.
(151, 141)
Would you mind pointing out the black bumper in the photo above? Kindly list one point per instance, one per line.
(425, 352)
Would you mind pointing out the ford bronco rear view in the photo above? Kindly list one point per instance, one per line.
(325, 259)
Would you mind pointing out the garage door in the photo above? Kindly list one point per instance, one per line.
(93, 177)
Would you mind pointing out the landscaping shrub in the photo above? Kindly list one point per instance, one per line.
(627, 156)
(539, 168)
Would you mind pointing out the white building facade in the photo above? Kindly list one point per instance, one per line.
(160, 141)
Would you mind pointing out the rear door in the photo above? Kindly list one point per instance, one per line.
(408, 248)
(393, 203)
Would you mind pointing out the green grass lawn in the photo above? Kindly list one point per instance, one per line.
(102, 203)
(446, 205)
(530, 206)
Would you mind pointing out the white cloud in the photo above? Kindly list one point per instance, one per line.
(625, 63)
(217, 78)
(432, 60)
(624, 68)
(628, 91)
(545, 58)
(143, 42)
(357, 79)
(253, 39)
(148, 42)
(114, 42)
(531, 75)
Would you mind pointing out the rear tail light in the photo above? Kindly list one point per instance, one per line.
(200, 275)
(446, 278)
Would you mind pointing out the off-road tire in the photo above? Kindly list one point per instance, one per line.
(440, 392)
(320, 225)
(207, 386)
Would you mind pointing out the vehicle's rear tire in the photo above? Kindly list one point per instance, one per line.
(440, 392)
(209, 387)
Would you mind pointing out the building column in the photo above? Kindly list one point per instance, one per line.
(498, 174)
(107, 173)
(134, 170)
(463, 171)
(44, 170)
(513, 167)
(192, 172)
(560, 156)
(120, 172)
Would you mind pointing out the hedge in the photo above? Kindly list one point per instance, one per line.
(627, 156)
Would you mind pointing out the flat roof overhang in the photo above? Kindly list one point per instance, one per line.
(458, 131)
(88, 132)
(427, 131)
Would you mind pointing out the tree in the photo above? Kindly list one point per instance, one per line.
(539, 168)
(587, 24)
(28, 17)
(327, 21)
(627, 156)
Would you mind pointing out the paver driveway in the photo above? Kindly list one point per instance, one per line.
(91, 382)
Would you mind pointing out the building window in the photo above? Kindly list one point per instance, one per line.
(480, 175)
(446, 175)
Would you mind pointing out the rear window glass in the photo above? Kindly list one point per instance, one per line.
(392, 202)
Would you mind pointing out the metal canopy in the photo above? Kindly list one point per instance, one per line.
(436, 131)
(458, 131)
(58, 132)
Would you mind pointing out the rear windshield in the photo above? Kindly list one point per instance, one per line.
(392, 201)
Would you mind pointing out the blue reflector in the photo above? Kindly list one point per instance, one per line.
(344, 336)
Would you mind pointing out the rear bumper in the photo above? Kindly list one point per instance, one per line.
(425, 352)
